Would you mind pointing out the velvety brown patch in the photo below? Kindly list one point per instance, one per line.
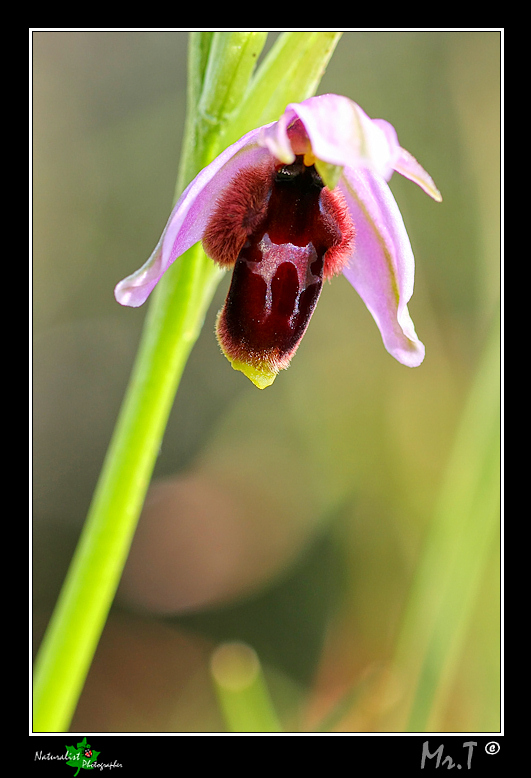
(240, 208)
(335, 212)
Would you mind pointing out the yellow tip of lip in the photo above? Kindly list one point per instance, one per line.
(261, 377)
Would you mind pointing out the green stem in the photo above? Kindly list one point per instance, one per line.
(173, 324)
(220, 66)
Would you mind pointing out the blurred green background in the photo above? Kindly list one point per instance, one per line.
(292, 518)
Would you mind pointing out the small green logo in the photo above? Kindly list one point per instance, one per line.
(81, 757)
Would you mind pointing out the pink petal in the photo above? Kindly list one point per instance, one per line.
(406, 164)
(382, 267)
(340, 133)
(188, 219)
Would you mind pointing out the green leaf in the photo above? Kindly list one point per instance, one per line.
(198, 54)
(220, 66)
(231, 62)
(291, 72)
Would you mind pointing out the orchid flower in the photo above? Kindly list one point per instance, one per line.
(289, 205)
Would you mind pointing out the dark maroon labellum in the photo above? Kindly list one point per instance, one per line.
(278, 274)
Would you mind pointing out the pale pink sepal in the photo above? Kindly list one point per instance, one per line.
(406, 164)
(190, 216)
(382, 267)
(340, 133)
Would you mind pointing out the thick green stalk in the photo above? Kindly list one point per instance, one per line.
(173, 323)
(172, 326)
